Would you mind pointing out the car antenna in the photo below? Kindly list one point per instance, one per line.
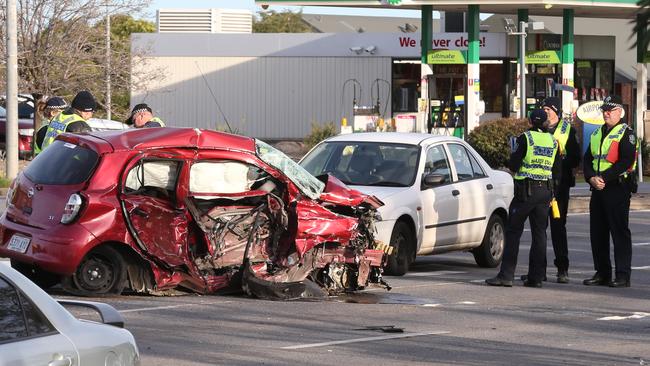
(213, 97)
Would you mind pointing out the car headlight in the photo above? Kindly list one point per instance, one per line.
(26, 132)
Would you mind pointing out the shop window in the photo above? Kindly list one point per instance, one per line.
(593, 79)
(405, 86)
(492, 86)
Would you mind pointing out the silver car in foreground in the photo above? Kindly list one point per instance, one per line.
(35, 329)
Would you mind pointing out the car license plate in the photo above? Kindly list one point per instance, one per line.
(18, 243)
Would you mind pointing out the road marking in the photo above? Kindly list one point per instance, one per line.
(635, 315)
(154, 308)
(642, 267)
(640, 244)
(366, 339)
(437, 273)
(466, 303)
(431, 305)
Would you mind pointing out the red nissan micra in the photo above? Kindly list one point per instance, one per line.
(154, 210)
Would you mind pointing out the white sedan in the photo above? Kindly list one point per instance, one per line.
(36, 330)
(439, 194)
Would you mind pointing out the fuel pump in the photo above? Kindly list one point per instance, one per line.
(446, 104)
(345, 128)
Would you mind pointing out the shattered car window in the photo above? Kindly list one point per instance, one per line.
(221, 177)
(307, 183)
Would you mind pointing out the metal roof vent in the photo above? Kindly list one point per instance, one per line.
(204, 21)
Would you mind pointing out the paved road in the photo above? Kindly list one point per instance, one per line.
(448, 316)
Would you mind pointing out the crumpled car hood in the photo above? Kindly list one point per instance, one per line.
(338, 193)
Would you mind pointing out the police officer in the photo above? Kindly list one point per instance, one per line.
(534, 161)
(569, 151)
(142, 116)
(72, 119)
(53, 107)
(608, 163)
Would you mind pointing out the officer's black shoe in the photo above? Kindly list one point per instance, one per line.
(597, 280)
(532, 284)
(498, 281)
(562, 276)
(525, 278)
(619, 282)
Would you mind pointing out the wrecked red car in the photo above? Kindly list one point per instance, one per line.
(157, 210)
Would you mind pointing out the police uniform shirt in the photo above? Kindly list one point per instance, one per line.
(571, 157)
(626, 156)
(517, 157)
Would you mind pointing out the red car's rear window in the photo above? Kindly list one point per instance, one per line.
(62, 163)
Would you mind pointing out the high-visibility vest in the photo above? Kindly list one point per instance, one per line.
(156, 119)
(58, 126)
(561, 134)
(38, 149)
(606, 155)
(540, 155)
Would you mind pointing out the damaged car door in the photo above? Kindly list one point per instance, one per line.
(149, 201)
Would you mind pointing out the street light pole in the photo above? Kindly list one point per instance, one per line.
(522, 69)
(11, 146)
(108, 62)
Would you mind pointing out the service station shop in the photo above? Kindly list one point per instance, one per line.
(303, 78)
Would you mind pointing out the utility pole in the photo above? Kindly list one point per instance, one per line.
(108, 62)
(11, 146)
(522, 69)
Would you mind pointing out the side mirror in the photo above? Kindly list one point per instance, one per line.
(432, 180)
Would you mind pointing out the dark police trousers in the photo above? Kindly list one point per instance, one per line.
(609, 212)
(558, 229)
(532, 203)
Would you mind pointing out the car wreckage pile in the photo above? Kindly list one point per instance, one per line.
(165, 209)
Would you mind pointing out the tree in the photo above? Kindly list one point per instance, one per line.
(61, 45)
(641, 28)
(283, 22)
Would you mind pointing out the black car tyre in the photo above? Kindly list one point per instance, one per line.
(490, 252)
(403, 243)
(102, 271)
(40, 277)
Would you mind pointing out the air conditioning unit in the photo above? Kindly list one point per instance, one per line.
(204, 21)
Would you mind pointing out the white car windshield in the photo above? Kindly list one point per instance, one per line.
(307, 183)
(365, 163)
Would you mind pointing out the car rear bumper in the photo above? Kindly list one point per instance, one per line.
(48, 249)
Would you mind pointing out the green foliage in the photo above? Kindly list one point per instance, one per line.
(641, 24)
(5, 182)
(283, 22)
(491, 139)
(319, 133)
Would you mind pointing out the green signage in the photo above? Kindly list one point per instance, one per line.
(446, 57)
(543, 57)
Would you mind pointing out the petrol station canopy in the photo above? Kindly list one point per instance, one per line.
(620, 9)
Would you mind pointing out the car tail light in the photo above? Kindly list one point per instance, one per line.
(71, 208)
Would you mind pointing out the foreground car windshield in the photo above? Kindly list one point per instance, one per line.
(365, 163)
(307, 183)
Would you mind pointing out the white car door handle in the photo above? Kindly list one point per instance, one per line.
(489, 187)
(60, 360)
(455, 192)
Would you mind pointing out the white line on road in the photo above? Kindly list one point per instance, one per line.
(366, 339)
(633, 316)
(155, 308)
(437, 273)
(642, 267)
(640, 244)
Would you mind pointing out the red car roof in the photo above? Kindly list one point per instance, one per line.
(146, 138)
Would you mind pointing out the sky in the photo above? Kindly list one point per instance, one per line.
(250, 4)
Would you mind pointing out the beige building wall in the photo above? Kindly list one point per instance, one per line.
(264, 97)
